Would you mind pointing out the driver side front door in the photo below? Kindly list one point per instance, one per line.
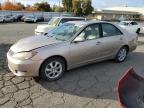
(86, 47)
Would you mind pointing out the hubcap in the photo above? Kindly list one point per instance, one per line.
(122, 54)
(53, 69)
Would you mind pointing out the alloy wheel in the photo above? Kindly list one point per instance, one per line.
(53, 69)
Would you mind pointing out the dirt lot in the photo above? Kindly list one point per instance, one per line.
(91, 86)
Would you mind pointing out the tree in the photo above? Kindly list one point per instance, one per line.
(0, 6)
(67, 4)
(86, 7)
(11, 6)
(43, 6)
(57, 8)
(30, 8)
(8, 6)
(77, 7)
(19, 6)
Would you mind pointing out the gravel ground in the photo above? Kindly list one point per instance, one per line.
(91, 86)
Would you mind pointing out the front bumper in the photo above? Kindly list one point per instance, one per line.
(24, 68)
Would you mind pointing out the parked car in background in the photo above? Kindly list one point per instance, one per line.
(1, 18)
(131, 26)
(30, 18)
(70, 45)
(40, 18)
(6, 18)
(54, 22)
(17, 17)
(23, 17)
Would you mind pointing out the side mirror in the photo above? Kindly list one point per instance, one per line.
(78, 39)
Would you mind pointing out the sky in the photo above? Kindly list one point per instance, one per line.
(97, 4)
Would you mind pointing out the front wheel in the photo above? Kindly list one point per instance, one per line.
(122, 54)
(52, 69)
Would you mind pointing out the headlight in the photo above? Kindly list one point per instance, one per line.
(24, 55)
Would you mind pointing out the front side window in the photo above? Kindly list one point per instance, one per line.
(54, 21)
(65, 31)
(30, 16)
(89, 33)
(110, 30)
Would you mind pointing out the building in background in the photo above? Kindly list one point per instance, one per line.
(119, 13)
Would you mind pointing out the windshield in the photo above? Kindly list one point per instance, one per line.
(30, 16)
(1, 16)
(124, 23)
(65, 31)
(54, 21)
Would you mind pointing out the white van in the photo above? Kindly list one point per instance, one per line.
(54, 22)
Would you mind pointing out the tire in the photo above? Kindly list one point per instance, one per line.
(138, 31)
(52, 69)
(121, 55)
(35, 21)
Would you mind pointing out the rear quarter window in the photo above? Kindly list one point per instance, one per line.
(134, 23)
(110, 30)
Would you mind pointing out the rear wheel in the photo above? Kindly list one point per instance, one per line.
(35, 21)
(122, 54)
(52, 69)
(138, 31)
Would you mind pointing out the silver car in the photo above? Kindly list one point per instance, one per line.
(30, 18)
(68, 46)
(6, 18)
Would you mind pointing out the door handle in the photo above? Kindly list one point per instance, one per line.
(97, 43)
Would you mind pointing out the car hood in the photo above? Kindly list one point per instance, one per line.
(33, 42)
(45, 28)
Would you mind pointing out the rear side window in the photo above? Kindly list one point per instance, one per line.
(134, 23)
(110, 30)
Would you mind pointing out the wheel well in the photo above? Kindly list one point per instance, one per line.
(126, 47)
(55, 56)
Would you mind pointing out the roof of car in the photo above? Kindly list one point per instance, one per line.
(128, 21)
(86, 22)
(68, 17)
